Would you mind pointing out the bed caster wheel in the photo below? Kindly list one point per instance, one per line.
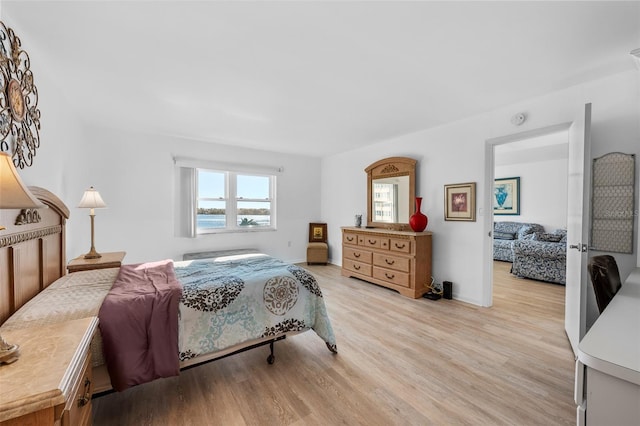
(271, 359)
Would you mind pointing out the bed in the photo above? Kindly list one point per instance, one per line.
(230, 301)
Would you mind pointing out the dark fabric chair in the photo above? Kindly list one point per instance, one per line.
(605, 279)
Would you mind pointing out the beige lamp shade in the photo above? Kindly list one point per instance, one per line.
(92, 200)
(13, 193)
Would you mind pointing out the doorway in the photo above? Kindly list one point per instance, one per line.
(539, 158)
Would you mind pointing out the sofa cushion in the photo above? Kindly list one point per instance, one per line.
(529, 229)
(503, 242)
(504, 235)
(562, 233)
(550, 238)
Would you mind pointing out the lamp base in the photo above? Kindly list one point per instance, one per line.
(8, 353)
(93, 254)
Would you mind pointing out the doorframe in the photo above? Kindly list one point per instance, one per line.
(489, 176)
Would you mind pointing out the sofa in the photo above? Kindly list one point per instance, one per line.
(505, 234)
(543, 257)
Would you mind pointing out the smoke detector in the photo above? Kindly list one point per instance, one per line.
(518, 119)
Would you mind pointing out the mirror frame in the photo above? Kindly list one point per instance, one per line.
(391, 167)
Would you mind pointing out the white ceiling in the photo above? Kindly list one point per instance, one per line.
(314, 78)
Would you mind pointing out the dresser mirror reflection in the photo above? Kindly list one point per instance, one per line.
(391, 192)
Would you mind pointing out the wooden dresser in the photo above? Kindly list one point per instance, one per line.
(399, 260)
(51, 383)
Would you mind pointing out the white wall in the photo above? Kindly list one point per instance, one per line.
(455, 153)
(134, 173)
(543, 192)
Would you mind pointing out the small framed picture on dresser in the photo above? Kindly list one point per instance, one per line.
(460, 202)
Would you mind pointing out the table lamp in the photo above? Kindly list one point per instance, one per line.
(92, 200)
(13, 195)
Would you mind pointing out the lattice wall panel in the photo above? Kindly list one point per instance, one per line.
(612, 214)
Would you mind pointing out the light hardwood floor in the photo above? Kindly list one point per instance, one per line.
(400, 362)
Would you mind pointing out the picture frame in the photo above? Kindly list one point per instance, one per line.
(317, 232)
(506, 196)
(460, 202)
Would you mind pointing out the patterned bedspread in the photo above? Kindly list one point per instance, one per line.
(264, 297)
(230, 300)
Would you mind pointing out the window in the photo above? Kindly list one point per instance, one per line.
(228, 201)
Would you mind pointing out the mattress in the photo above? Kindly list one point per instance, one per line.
(73, 296)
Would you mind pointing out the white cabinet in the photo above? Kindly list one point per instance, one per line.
(608, 366)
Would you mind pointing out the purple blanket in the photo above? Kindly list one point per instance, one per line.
(139, 324)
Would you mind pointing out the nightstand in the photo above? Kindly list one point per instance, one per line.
(108, 260)
(51, 382)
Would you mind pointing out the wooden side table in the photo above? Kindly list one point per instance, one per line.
(108, 260)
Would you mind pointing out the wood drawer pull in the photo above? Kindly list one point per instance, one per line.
(84, 399)
(390, 277)
(356, 267)
(389, 262)
(400, 247)
(373, 241)
(356, 255)
(350, 238)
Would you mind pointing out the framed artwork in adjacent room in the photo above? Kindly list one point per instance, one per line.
(506, 196)
(460, 202)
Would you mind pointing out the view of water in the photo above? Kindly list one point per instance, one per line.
(217, 220)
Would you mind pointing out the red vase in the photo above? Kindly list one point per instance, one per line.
(418, 221)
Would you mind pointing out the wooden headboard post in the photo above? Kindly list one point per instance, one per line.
(32, 250)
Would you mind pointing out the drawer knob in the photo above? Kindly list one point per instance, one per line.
(84, 399)
(390, 262)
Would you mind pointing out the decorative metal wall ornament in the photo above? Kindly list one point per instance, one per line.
(19, 113)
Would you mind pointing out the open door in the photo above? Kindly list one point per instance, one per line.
(578, 212)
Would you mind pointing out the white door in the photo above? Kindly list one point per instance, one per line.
(578, 211)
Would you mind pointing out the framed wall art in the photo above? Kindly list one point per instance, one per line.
(460, 202)
(317, 232)
(506, 196)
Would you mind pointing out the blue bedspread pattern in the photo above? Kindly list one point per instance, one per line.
(227, 302)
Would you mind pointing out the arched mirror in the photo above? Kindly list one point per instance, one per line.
(391, 185)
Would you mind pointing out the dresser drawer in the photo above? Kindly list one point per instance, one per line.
(357, 267)
(391, 262)
(401, 246)
(350, 238)
(373, 241)
(394, 277)
(78, 408)
(357, 254)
